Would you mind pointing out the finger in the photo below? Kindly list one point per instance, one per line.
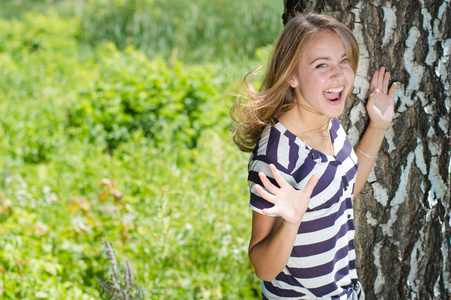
(380, 79)
(376, 91)
(277, 176)
(311, 185)
(271, 211)
(392, 90)
(266, 183)
(264, 194)
(373, 85)
(385, 84)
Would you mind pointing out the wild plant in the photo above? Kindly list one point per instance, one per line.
(121, 285)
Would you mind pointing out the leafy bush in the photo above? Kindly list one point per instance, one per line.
(39, 56)
(132, 93)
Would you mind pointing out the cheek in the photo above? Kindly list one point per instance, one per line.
(350, 75)
(317, 80)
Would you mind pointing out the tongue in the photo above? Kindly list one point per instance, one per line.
(332, 96)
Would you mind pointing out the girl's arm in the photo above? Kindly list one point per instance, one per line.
(271, 244)
(380, 109)
(273, 238)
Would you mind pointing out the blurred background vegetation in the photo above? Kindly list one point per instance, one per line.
(114, 126)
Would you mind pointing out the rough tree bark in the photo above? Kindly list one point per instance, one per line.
(403, 213)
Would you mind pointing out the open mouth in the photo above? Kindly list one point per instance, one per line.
(333, 94)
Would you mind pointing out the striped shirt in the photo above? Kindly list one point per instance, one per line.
(322, 262)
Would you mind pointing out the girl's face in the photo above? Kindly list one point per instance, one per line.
(324, 76)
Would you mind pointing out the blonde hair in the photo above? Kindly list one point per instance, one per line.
(275, 95)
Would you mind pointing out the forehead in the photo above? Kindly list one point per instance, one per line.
(324, 44)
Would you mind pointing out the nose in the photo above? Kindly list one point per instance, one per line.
(337, 72)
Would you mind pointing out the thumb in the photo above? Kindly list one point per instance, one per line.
(311, 185)
(376, 91)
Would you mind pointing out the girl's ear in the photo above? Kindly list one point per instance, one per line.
(293, 82)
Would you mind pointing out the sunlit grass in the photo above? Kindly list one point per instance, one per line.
(192, 31)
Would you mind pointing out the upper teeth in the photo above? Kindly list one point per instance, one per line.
(336, 90)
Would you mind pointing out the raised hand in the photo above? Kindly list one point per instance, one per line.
(289, 203)
(380, 104)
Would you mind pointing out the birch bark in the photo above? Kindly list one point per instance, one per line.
(403, 215)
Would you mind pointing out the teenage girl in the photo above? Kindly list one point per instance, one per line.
(303, 172)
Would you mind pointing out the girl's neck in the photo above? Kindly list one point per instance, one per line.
(311, 121)
(318, 141)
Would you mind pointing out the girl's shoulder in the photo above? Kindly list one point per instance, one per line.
(276, 138)
(280, 147)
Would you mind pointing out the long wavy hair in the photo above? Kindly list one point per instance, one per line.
(275, 95)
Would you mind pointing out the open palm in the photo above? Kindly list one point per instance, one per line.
(380, 104)
(289, 203)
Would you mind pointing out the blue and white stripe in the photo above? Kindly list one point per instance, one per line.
(322, 263)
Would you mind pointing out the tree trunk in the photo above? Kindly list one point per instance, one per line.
(402, 216)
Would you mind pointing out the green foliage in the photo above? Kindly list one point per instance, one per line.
(132, 93)
(38, 56)
(192, 31)
(36, 51)
(172, 196)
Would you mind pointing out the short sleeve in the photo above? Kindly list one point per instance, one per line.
(280, 147)
(256, 165)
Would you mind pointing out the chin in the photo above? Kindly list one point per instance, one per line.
(335, 113)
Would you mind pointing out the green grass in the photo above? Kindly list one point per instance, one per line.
(86, 117)
(192, 31)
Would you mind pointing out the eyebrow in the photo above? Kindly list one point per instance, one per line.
(325, 58)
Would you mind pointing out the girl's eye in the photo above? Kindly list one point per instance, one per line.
(345, 61)
(321, 66)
